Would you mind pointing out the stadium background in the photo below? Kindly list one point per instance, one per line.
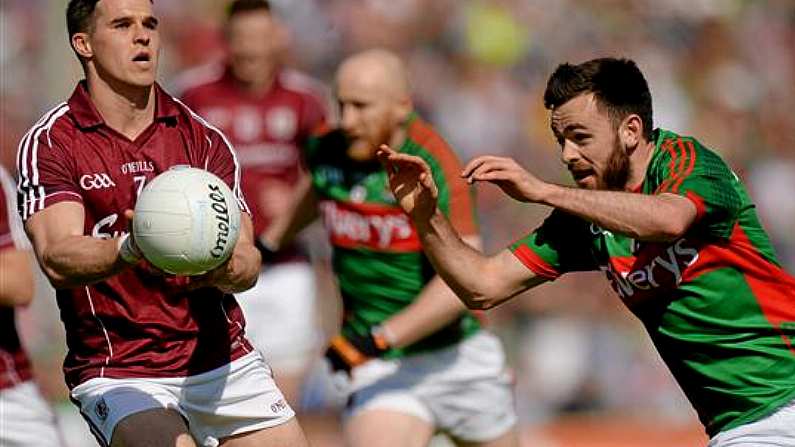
(721, 70)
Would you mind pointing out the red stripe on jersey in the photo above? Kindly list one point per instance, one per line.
(692, 154)
(701, 208)
(535, 263)
(667, 145)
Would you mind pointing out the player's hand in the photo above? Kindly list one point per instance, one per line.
(508, 175)
(346, 353)
(225, 278)
(129, 251)
(411, 182)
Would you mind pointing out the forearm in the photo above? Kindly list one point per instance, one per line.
(81, 260)
(435, 307)
(16, 278)
(302, 212)
(481, 282)
(663, 217)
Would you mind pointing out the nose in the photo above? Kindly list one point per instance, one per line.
(142, 35)
(569, 153)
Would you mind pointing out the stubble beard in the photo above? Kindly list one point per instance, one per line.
(617, 169)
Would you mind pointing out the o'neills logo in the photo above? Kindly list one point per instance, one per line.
(221, 212)
(663, 271)
(371, 226)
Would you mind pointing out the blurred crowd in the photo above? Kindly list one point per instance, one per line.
(720, 70)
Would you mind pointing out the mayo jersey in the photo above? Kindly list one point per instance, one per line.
(716, 303)
(378, 257)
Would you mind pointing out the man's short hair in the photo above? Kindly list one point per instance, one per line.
(617, 84)
(241, 6)
(78, 16)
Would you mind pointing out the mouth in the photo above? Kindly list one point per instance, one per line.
(143, 58)
(581, 174)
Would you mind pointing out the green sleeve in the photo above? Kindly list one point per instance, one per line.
(562, 244)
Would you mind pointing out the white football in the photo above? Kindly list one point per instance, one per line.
(186, 221)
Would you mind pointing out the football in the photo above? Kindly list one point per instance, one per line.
(186, 221)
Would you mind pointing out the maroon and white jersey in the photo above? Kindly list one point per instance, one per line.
(268, 131)
(133, 324)
(14, 364)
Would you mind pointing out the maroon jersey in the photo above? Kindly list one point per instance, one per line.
(133, 324)
(267, 130)
(14, 364)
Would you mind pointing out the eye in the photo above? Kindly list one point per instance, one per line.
(581, 138)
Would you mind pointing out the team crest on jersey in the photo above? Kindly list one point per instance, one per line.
(281, 123)
(101, 409)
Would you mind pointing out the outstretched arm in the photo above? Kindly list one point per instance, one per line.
(481, 282)
(661, 217)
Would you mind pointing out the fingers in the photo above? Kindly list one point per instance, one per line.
(480, 166)
(392, 159)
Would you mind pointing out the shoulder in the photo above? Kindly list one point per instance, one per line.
(426, 142)
(53, 123)
(302, 84)
(679, 157)
(198, 80)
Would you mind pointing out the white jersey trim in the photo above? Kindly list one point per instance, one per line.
(30, 191)
(104, 331)
(236, 189)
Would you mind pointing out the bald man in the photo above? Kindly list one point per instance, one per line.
(417, 360)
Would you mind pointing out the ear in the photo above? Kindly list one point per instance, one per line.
(82, 45)
(631, 132)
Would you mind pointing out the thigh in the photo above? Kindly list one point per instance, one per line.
(26, 418)
(387, 428)
(287, 434)
(237, 399)
(157, 427)
(470, 391)
(105, 403)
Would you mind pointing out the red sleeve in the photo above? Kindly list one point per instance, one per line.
(45, 167)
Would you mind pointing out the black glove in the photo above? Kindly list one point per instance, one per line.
(345, 353)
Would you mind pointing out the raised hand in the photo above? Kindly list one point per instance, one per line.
(411, 182)
(508, 175)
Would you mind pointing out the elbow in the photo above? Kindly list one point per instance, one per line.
(483, 299)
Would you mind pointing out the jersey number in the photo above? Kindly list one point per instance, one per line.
(140, 180)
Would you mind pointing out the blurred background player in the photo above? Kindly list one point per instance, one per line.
(670, 225)
(267, 112)
(153, 359)
(25, 417)
(418, 361)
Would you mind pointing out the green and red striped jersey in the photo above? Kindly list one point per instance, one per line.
(716, 302)
(378, 257)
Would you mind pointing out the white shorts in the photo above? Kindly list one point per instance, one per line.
(236, 398)
(464, 390)
(26, 419)
(777, 430)
(280, 316)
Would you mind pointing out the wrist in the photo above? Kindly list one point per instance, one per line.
(128, 251)
(267, 249)
(383, 337)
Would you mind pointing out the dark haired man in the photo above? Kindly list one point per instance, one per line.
(267, 111)
(671, 226)
(153, 359)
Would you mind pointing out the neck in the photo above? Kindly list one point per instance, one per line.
(126, 109)
(639, 162)
(258, 86)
